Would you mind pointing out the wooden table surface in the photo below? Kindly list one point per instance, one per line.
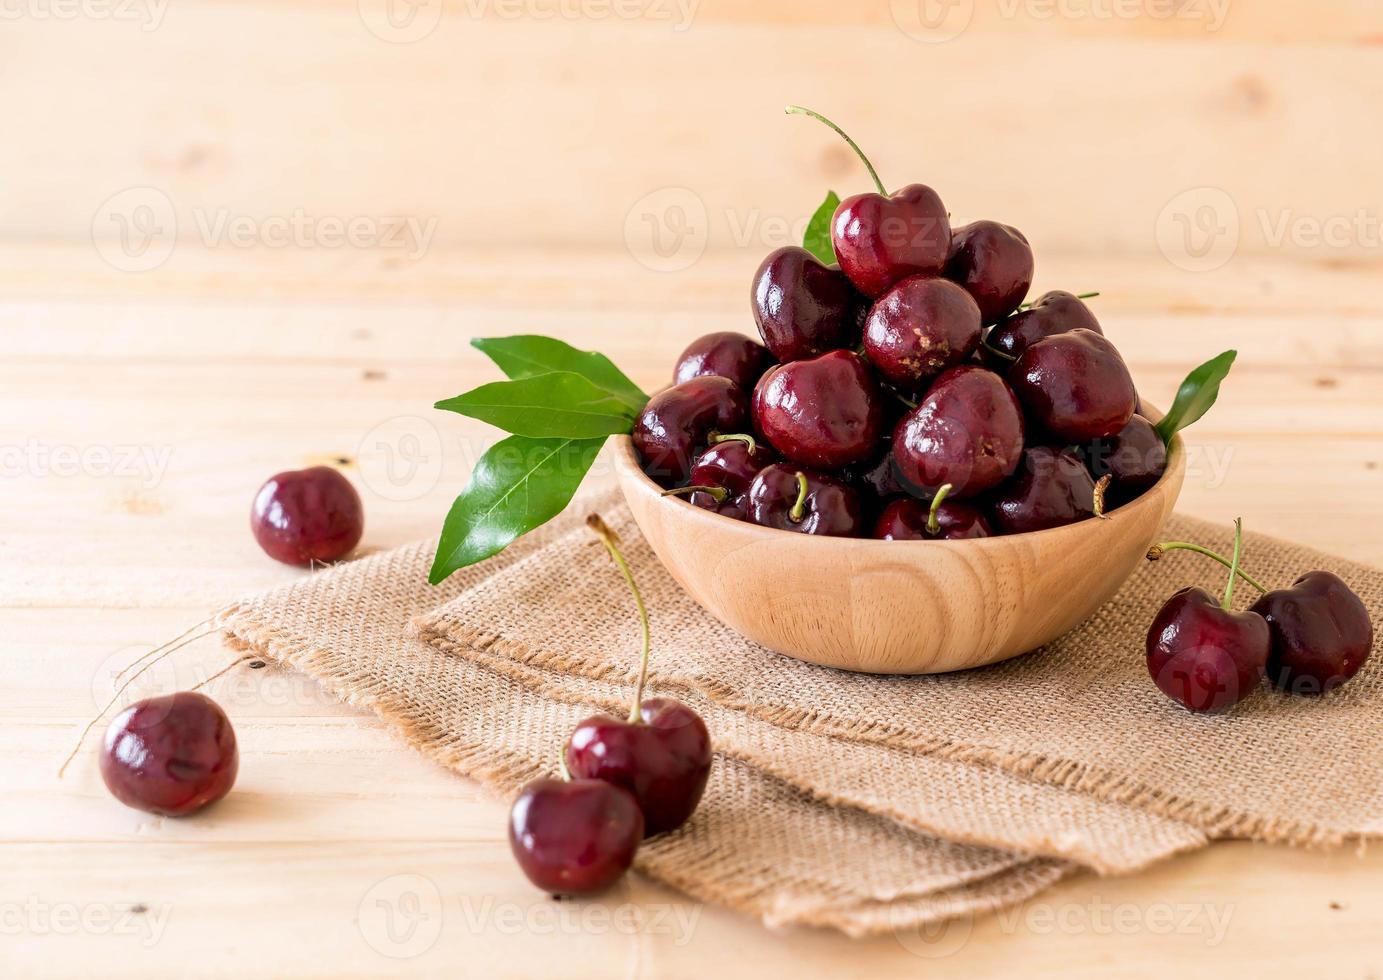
(612, 180)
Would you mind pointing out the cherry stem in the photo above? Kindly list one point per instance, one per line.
(933, 525)
(1228, 603)
(799, 506)
(718, 494)
(562, 769)
(804, 111)
(1028, 306)
(1158, 550)
(749, 442)
(611, 541)
(1101, 486)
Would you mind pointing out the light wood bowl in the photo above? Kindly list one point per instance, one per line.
(897, 607)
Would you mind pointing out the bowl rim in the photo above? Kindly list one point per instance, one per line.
(628, 470)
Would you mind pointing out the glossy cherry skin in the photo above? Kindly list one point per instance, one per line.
(967, 431)
(994, 264)
(731, 466)
(664, 761)
(576, 837)
(1135, 458)
(919, 328)
(881, 240)
(832, 506)
(877, 479)
(170, 755)
(906, 520)
(1051, 488)
(802, 307)
(825, 412)
(727, 354)
(1203, 657)
(1321, 633)
(675, 424)
(1053, 313)
(1075, 386)
(305, 516)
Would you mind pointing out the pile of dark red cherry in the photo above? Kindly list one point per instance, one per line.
(903, 394)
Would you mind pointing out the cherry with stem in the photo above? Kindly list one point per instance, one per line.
(660, 752)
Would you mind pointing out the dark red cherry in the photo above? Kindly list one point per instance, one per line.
(877, 479)
(1075, 386)
(1053, 313)
(881, 240)
(729, 466)
(994, 264)
(919, 328)
(677, 422)
(1321, 633)
(790, 499)
(305, 516)
(664, 759)
(1051, 488)
(907, 520)
(1203, 656)
(576, 837)
(170, 755)
(802, 307)
(825, 412)
(729, 355)
(1135, 458)
(967, 431)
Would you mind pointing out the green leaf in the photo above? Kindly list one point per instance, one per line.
(526, 355)
(817, 238)
(1197, 393)
(519, 484)
(560, 405)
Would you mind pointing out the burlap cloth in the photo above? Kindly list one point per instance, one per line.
(859, 802)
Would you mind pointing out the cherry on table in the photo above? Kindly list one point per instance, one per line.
(803, 307)
(574, 837)
(1075, 386)
(994, 264)
(791, 499)
(726, 354)
(170, 755)
(967, 431)
(1052, 488)
(882, 238)
(1320, 630)
(826, 412)
(910, 519)
(1202, 654)
(660, 753)
(919, 328)
(304, 516)
(1053, 313)
(678, 421)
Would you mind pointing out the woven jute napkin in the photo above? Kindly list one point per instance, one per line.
(860, 802)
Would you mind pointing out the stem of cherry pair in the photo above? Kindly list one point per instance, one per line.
(611, 541)
(933, 525)
(873, 174)
(1158, 550)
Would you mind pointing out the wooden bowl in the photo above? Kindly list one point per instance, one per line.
(897, 607)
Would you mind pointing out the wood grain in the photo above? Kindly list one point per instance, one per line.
(543, 150)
